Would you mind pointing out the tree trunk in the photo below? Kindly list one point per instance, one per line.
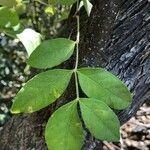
(116, 37)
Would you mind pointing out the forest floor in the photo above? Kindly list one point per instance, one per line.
(135, 133)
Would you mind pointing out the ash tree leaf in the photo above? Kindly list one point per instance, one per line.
(30, 42)
(88, 6)
(101, 84)
(64, 129)
(41, 90)
(51, 53)
(100, 119)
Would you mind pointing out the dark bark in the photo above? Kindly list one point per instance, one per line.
(116, 37)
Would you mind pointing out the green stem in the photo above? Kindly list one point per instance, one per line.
(76, 84)
(77, 42)
(77, 53)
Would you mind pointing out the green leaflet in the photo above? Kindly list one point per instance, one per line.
(88, 6)
(62, 2)
(100, 119)
(51, 53)
(41, 90)
(100, 84)
(64, 129)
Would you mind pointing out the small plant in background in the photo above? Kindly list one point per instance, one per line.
(104, 91)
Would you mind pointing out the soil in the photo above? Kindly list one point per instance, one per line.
(135, 134)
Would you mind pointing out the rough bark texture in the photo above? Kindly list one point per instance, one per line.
(116, 37)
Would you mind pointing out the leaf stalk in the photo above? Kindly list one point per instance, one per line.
(77, 52)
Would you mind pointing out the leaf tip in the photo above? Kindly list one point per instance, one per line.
(116, 139)
(15, 111)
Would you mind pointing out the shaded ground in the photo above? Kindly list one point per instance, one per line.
(135, 133)
(12, 74)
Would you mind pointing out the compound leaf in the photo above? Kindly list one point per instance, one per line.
(41, 90)
(100, 119)
(100, 84)
(51, 53)
(64, 130)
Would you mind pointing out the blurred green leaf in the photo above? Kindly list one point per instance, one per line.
(8, 3)
(64, 15)
(20, 7)
(9, 22)
(8, 18)
(50, 10)
(9, 32)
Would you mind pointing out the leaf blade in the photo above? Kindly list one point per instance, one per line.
(30, 42)
(100, 84)
(100, 119)
(88, 6)
(51, 53)
(67, 135)
(41, 91)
